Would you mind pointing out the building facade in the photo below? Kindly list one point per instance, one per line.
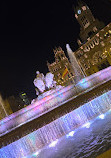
(18, 102)
(24, 98)
(61, 68)
(89, 26)
(94, 53)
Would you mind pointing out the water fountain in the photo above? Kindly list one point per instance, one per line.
(76, 67)
(50, 133)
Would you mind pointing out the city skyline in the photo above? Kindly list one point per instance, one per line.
(29, 32)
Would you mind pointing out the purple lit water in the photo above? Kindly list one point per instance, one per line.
(54, 100)
(84, 131)
(86, 142)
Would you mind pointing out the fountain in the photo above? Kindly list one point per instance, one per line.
(50, 133)
(76, 68)
(52, 101)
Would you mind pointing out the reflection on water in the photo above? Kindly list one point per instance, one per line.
(86, 141)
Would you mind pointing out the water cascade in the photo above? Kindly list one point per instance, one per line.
(50, 133)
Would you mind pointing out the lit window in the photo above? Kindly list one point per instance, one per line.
(71, 74)
(92, 45)
(84, 8)
(76, 16)
(68, 76)
(85, 56)
(94, 29)
(110, 31)
(102, 43)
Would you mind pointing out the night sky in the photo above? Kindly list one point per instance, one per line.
(28, 33)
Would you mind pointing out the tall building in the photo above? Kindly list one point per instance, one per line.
(61, 68)
(94, 53)
(24, 98)
(18, 102)
(89, 26)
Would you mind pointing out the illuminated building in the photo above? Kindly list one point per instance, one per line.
(94, 53)
(89, 26)
(24, 98)
(61, 68)
(18, 102)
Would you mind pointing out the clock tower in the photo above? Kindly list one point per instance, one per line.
(89, 26)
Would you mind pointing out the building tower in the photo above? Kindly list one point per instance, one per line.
(61, 68)
(89, 26)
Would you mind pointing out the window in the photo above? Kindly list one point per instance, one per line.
(68, 76)
(59, 58)
(90, 33)
(62, 55)
(104, 65)
(71, 74)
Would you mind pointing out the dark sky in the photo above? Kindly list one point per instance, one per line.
(28, 33)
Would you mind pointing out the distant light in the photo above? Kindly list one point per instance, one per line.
(23, 94)
(84, 7)
(53, 143)
(70, 134)
(101, 116)
(79, 11)
(87, 125)
(36, 153)
(76, 16)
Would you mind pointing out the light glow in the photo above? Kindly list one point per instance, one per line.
(87, 125)
(53, 144)
(71, 134)
(79, 11)
(36, 153)
(101, 116)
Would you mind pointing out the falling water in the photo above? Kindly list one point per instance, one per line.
(50, 133)
(76, 68)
